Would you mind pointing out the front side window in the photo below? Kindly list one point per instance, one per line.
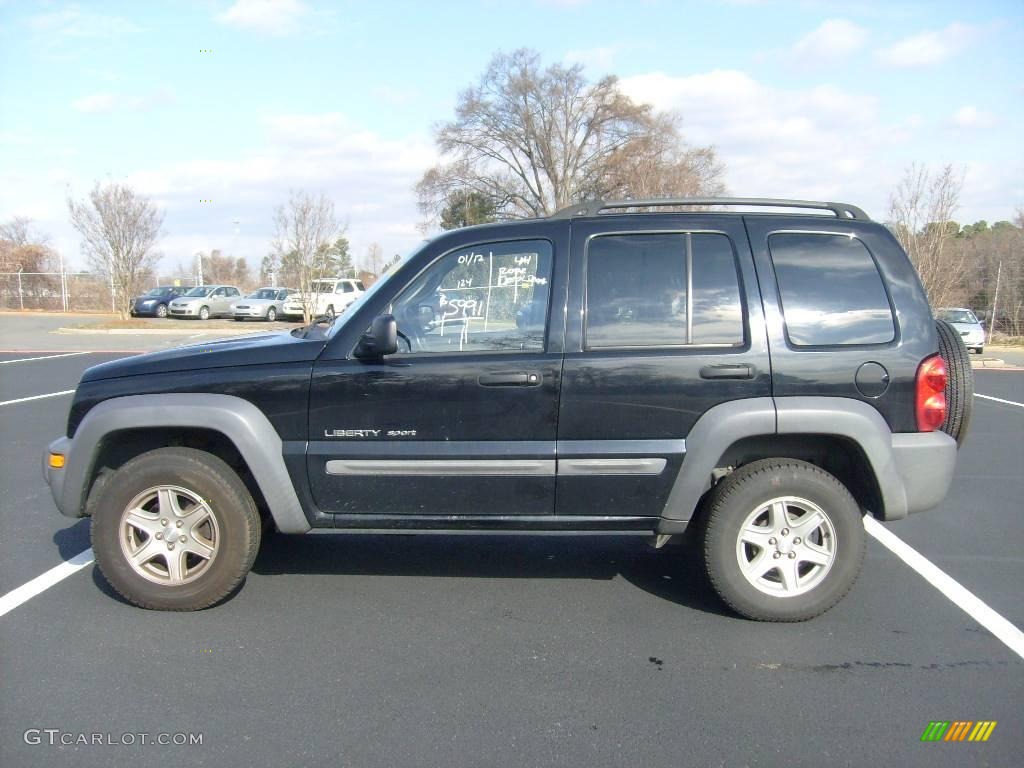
(662, 290)
(487, 298)
(347, 288)
(831, 291)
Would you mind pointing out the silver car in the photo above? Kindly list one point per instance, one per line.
(967, 325)
(262, 304)
(205, 301)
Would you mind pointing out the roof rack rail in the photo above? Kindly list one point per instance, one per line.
(594, 207)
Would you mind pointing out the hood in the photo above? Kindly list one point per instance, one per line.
(967, 326)
(187, 299)
(257, 349)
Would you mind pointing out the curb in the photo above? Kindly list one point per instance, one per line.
(988, 362)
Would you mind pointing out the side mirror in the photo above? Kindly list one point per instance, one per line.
(380, 340)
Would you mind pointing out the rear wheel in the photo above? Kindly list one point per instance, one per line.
(784, 540)
(204, 313)
(959, 382)
(329, 314)
(175, 529)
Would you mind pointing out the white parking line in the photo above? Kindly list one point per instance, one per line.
(963, 598)
(43, 582)
(999, 400)
(44, 357)
(37, 397)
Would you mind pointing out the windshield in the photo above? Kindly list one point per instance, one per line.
(158, 292)
(958, 316)
(200, 290)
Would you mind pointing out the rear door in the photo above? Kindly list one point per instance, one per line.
(664, 323)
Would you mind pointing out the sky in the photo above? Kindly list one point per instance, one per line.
(238, 102)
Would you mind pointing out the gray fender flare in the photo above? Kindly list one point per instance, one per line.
(913, 470)
(238, 420)
(716, 430)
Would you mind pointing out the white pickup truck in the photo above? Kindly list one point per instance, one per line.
(329, 297)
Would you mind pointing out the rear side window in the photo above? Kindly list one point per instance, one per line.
(831, 291)
(662, 290)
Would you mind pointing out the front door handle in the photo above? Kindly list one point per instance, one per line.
(509, 379)
(727, 372)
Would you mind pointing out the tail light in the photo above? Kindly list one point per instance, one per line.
(930, 402)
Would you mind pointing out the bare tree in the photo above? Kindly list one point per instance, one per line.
(921, 216)
(119, 228)
(374, 259)
(305, 228)
(532, 140)
(19, 232)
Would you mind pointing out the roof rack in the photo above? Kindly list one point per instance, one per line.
(594, 207)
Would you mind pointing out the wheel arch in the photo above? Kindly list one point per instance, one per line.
(232, 428)
(846, 437)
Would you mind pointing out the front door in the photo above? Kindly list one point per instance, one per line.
(461, 421)
(665, 323)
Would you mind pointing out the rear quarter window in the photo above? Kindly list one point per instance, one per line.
(831, 291)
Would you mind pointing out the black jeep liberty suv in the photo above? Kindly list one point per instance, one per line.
(647, 366)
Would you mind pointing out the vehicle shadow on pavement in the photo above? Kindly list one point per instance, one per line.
(674, 573)
(73, 540)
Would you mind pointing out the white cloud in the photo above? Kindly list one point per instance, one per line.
(277, 17)
(600, 58)
(72, 22)
(971, 117)
(929, 47)
(108, 102)
(369, 178)
(96, 102)
(821, 142)
(834, 39)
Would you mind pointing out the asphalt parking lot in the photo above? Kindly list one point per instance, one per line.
(477, 651)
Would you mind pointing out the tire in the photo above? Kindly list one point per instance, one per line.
(271, 315)
(239, 319)
(329, 313)
(781, 493)
(204, 313)
(980, 350)
(211, 509)
(161, 310)
(959, 382)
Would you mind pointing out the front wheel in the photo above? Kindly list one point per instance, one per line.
(271, 315)
(175, 529)
(784, 540)
(204, 313)
(161, 310)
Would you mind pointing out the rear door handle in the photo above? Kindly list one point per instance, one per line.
(727, 372)
(525, 379)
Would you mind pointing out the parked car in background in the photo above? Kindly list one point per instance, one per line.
(154, 302)
(330, 297)
(967, 325)
(205, 301)
(261, 304)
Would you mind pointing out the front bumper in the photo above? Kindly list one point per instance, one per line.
(250, 312)
(54, 477)
(189, 311)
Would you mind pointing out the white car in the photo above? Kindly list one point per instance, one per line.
(262, 304)
(967, 325)
(329, 297)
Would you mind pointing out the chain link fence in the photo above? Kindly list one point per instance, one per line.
(65, 291)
